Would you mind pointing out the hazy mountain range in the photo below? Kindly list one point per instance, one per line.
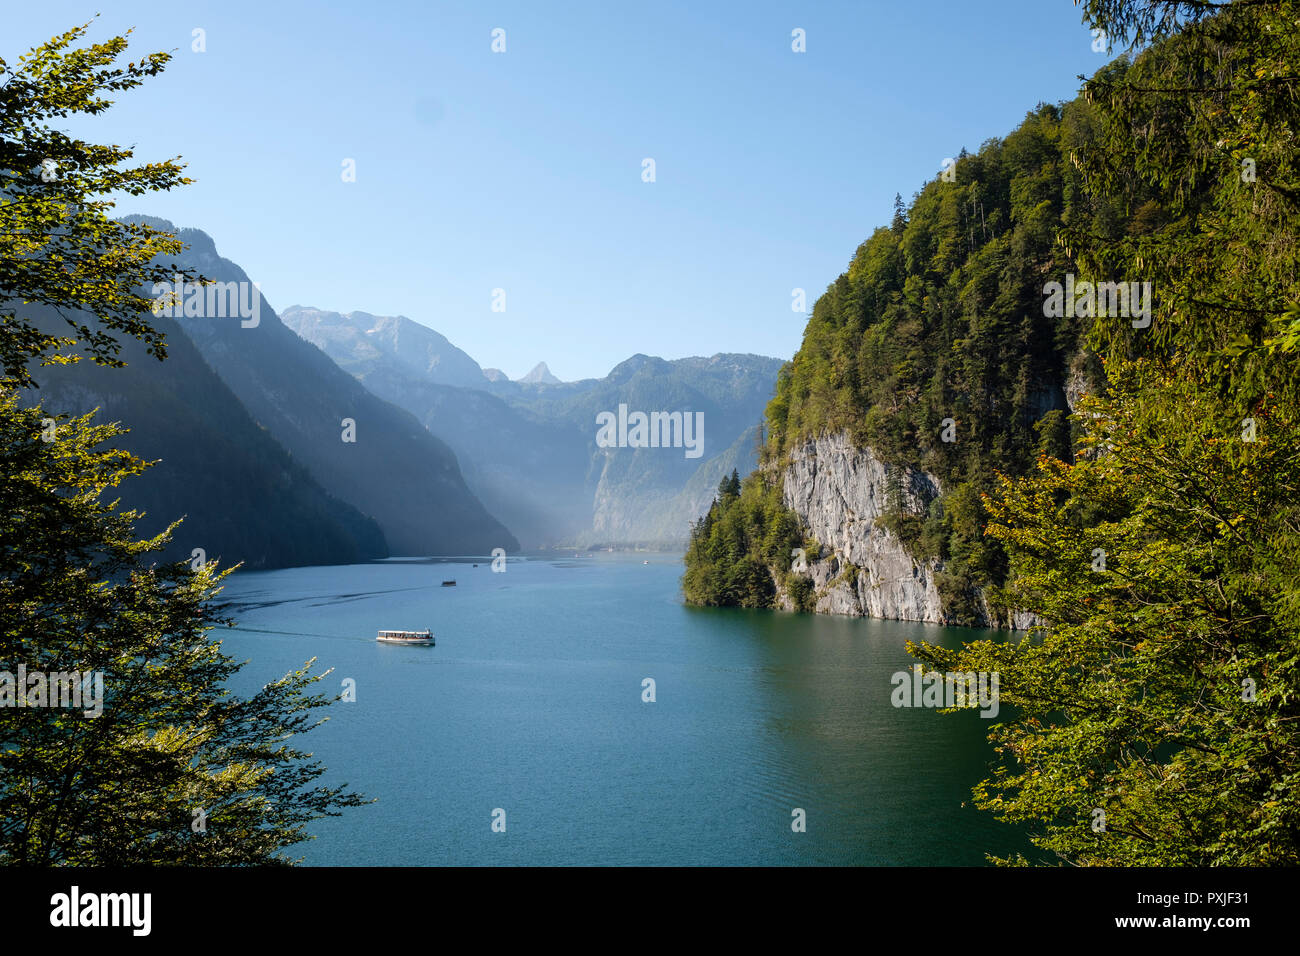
(257, 414)
(528, 448)
(317, 437)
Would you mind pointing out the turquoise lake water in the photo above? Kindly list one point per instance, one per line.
(531, 703)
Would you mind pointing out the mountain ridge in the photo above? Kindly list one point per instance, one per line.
(344, 435)
(530, 451)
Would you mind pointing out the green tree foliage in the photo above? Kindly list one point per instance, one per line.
(1197, 136)
(79, 593)
(941, 316)
(735, 546)
(58, 245)
(1163, 692)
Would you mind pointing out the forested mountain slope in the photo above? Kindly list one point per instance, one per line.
(243, 497)
(926, 368)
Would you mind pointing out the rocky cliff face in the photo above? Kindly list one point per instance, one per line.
(840, 492)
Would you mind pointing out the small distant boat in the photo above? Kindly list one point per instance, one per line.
(449, 584)
(407, 637)
(645, 562)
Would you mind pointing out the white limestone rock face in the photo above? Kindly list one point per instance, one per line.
(840, 491)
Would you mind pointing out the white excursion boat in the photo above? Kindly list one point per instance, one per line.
(407, 637)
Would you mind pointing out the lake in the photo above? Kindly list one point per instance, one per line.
(531, 703)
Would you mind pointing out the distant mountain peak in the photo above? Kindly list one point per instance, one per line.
(360, 337)
(540, 375)
(494, 375)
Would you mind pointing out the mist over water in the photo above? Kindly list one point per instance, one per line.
(532, 702)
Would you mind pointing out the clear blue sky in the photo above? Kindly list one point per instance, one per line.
(522, 170)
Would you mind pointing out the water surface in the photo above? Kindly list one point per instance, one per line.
(532, 702)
